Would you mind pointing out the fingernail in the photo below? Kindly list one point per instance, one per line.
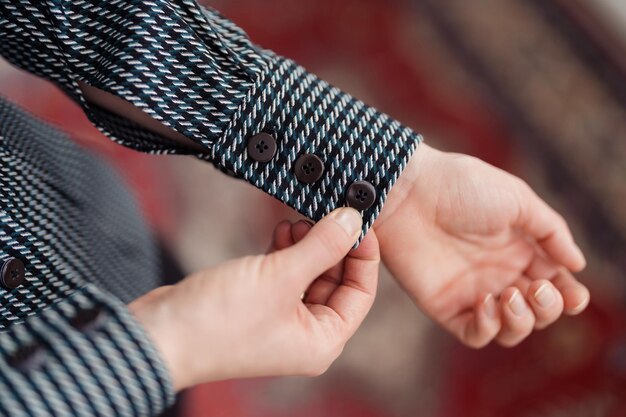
(490, 306)
(572, 293)
(545, 296)
(349, 219)
(580, 307)
(517, 304)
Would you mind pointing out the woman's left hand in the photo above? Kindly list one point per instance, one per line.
(478, 250)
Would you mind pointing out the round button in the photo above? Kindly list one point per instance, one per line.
(309, 168)
(361, 195)
(12, 273)
(262, 147)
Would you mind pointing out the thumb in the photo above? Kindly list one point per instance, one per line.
(327, 243)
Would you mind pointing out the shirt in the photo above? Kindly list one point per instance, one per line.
(197, 73)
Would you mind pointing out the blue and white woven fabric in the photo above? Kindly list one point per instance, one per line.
(85, 248)
(197, 73)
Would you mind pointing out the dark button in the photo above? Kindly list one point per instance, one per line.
(361, 195)
(27, 357)
(262, 147)
(88, 319)
(12, 273)
(309, 168)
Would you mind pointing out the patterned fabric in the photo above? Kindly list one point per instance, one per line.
(113, 371)
(197, 73)
(69, 218)
(355, 142)
(77, 230)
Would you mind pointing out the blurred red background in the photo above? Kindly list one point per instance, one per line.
(535, 87)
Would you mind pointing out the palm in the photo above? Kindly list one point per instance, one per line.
(456, 233)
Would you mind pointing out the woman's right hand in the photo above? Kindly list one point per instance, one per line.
(245, 318)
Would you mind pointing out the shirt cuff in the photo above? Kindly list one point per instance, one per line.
(312, 146)
(84, 355)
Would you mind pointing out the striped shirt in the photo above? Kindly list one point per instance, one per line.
(68, 345)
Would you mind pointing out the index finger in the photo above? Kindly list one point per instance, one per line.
(354, 296)
(551, 232)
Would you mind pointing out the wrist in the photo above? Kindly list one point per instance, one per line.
(406, 183)
(152, 311)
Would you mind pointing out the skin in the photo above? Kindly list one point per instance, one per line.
(247, 318)
(476, 249)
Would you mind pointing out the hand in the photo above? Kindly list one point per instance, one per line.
(245, 318)
(478, 250)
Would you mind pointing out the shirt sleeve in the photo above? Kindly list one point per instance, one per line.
(259, 116)
(83, 356)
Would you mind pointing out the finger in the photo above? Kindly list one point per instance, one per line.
(478, 327)
(353, 298)
(551, 231)
(298, 231)
(323, 287)
(541, 268)
(575, 295)
(281, 237)
(517, 318)
(545, 301)
(320, 290)
(522, 284)
(323, 246)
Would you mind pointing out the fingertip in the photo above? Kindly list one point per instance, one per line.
(348, 219)
(576, 299)
(324, 245)
(487, 321)
(545, 301)
(489, 307)
(281, 237)
(300, 229)
(282, 227)
(368, 249)
(518, 319)
(579, 262)
(477, 328)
